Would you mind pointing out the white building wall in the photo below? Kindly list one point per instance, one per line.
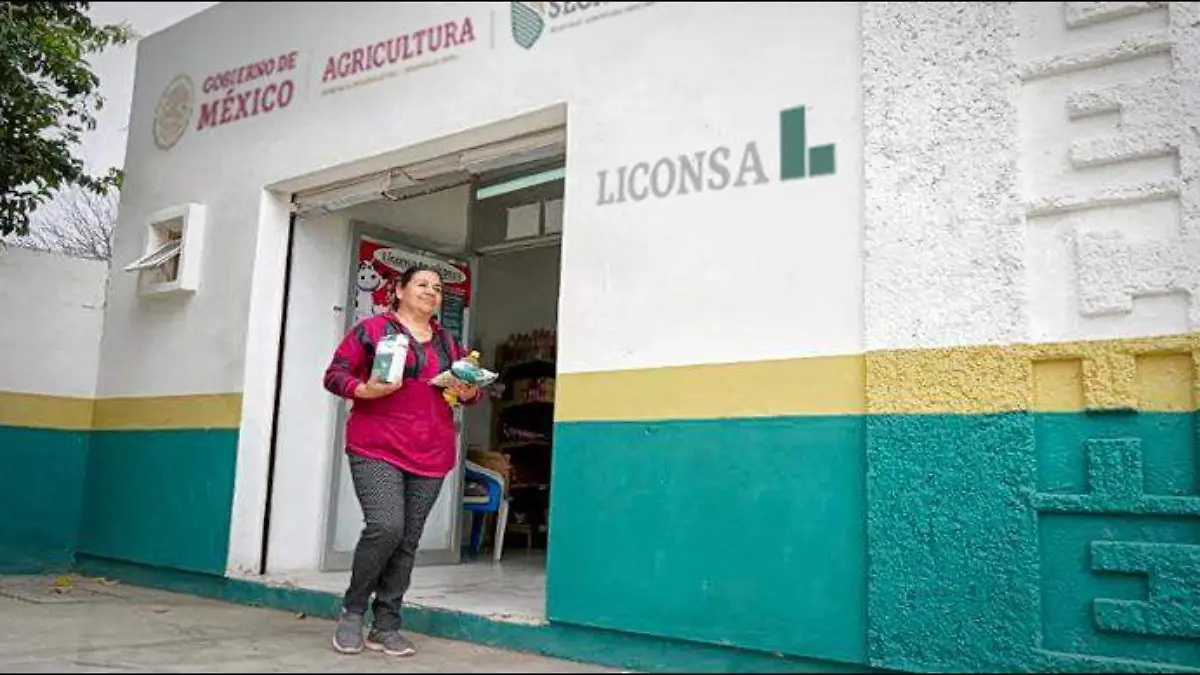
(1035, 130)
(1034, 177)
(664, 80)
(53, 313)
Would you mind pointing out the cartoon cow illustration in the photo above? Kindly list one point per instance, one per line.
(367, 282)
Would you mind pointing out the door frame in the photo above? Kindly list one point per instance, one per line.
(340, 561)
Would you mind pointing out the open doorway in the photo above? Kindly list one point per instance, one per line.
(494, 227)
(517, 221)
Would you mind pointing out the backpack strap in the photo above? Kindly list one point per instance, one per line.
(446, 349)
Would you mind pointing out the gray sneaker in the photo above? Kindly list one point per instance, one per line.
(390, 642)
(348, 636)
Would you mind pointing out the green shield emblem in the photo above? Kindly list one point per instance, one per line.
(527, 24)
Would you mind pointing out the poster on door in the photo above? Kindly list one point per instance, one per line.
(379, 267)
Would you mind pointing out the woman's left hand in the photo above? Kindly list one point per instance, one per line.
(462, 390)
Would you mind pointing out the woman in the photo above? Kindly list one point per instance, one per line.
(400, 439)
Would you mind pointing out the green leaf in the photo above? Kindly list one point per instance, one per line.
(48, 97)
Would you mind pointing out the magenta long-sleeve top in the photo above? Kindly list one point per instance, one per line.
(413, 427)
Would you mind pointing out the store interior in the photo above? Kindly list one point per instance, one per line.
(511, 241)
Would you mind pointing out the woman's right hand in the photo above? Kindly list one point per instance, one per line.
(375, 388)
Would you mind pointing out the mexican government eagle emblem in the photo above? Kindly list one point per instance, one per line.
(527, 23)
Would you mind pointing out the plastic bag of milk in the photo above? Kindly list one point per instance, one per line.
(391, 353)
(465, 370)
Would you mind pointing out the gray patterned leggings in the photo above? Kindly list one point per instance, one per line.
(395, 504)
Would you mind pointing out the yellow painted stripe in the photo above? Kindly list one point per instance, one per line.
(204, 411)
(199, 411)
(816, 386)
(1159, 374)
(1163, 379)
(45, 412)
(1150, 374)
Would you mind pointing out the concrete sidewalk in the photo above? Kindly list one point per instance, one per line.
(73, 624)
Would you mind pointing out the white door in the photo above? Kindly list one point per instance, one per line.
(377, 259)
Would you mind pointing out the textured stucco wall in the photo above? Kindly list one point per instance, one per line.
(943, 248)
(1031, 182)
(1032, 171)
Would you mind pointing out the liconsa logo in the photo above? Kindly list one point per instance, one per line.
(173, 113)
(679, 174)
(528, 22)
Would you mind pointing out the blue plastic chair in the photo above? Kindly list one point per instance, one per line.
(496, 501)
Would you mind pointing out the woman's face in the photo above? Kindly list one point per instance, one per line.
(423, 293)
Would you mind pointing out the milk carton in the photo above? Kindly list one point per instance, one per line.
(391, 353)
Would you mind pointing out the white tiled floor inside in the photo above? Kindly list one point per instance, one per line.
(512, 590)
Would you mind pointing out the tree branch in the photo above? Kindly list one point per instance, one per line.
(77, 223)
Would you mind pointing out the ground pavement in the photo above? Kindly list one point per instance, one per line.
(73, 624)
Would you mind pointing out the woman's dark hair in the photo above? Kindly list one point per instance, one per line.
(406, 278)
(407, 275)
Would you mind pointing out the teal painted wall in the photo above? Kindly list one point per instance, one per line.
(156, 497)
(747, 532)
(160, 497)
(41, 494)
(1066, 542)
(933, 543)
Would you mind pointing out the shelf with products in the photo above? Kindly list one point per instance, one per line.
(528, 383)
(527, 421)
(523, 408)
(536, 368)
(508, 446)
(523, 422)
(536, 346)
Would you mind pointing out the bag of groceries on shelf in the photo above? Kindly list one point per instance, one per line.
(465, 370)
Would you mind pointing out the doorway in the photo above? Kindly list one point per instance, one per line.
(518, 231)
(378, 256)
(494, 224)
